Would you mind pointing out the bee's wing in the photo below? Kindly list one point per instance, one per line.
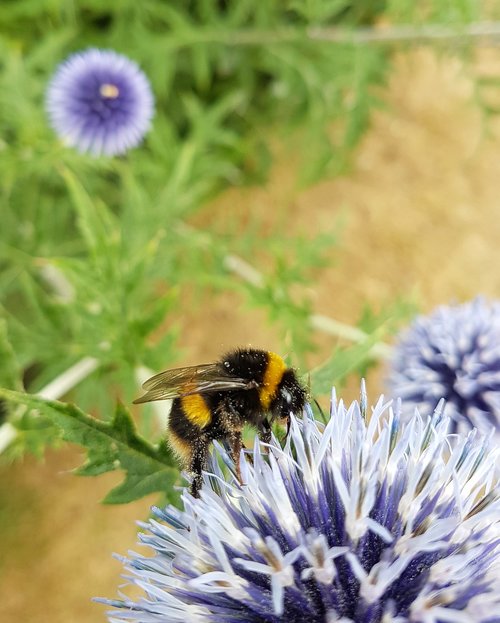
(200, 379)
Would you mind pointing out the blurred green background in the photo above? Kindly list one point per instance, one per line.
(308, 162)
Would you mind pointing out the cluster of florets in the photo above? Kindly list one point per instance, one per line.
(453, 353)
(361, 520)
(100, 102)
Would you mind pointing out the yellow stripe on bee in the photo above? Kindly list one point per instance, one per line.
(181, 448)
(272, 378)
(196, 410)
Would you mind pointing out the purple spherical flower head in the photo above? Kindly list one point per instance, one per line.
(453, 353)
(358, 521)
(100, 102)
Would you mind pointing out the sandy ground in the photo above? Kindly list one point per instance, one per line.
(421, 213)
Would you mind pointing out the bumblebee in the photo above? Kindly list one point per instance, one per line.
(215, 400)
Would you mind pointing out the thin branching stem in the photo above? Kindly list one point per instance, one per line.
(325, 324)
(63, 383)
(248, 273)
(481, 33)
(54, 390)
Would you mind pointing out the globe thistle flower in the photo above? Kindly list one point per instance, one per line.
(100, 102)
(454, 353)
(358, 521)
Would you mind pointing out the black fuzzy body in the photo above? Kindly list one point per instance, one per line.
(230, 410)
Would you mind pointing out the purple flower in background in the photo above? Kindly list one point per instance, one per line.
(100, 102)
(454, 353)
(358, 521)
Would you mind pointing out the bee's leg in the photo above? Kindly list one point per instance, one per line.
(264, 431)
(288, 425)
(230, 422)
(198, 464)
(236, 443)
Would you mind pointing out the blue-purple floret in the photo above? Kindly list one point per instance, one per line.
(100, 102)
(363, 520)
(452, 353)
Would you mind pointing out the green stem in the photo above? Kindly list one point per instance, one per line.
(54, 390)
(240, 267)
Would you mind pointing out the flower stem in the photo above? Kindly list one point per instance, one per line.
(486, 33)
(60, 386)
(63, 383)
(348, 332)
(240, 267)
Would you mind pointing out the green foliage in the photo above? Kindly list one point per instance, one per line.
(290, 267)
(390, 317)
(376, 326)
(9, 371)
(96, 254)
(341, 363)
(34, 434)
(436, 11)
(111, 446)
(91, 255)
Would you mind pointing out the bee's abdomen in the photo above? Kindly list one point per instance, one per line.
(181, 447)
(196, 410)
(186, 422)
(189, 417)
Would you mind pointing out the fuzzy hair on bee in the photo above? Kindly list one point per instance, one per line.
(215, 400)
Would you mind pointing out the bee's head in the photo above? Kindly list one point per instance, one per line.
(290, 396)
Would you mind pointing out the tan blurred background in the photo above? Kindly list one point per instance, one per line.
(421, 212)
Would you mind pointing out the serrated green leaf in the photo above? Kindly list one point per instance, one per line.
(111, 446)
(34, 434)
(137, 486)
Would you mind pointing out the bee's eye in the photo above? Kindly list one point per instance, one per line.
(286, 395)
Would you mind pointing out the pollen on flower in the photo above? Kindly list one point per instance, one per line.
(109, 90)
